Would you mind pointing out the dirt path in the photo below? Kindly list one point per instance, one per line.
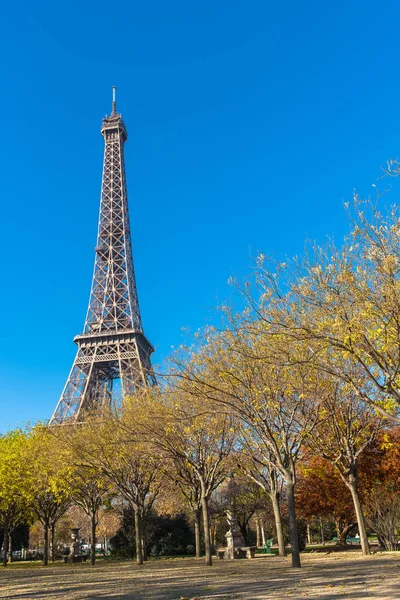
(325, 577)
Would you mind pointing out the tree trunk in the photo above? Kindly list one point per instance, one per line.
(197, 532)
(243, 530)
(343, 529)
(294, 539)
(93, 538)
(322, 532)
(144, 547)
(381, 541)
(278, 524)
(341, 533)
(46, 544)
(5, 544)
(138, 539)
(10, 549)
(207, 537)
(263, 535)
(52, 535)
(352, 485)
(308, 533)
(214, 534)
(258, 537)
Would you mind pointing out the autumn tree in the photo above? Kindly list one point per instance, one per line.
(111, 446)
(347, 427)
(90, 491)
(48, 482)
(13, 505)
(245, 372)
(109, 522)
(198, 442)
(183, 476)
(383, 515)
(87, 486)
(382, 502)
(244, 498)
(264, 473)
(343, 302)
(321, 492)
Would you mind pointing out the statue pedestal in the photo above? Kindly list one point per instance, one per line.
(234, 541)
(75, 548)
(235, 547)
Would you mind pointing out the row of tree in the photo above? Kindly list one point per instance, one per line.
(311, 365)
(155, 455)
(308, 370)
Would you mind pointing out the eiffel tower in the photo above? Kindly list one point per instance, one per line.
(113, 358)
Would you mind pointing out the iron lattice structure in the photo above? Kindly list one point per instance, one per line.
(113, 345)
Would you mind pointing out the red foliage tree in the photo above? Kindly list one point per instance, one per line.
(322, 493)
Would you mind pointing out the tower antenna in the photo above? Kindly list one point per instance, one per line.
(114, 101)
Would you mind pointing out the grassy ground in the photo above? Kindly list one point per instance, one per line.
(324, 576)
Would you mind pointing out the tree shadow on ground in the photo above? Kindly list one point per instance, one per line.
(338, 577)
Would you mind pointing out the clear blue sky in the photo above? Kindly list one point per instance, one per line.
(250, 123)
